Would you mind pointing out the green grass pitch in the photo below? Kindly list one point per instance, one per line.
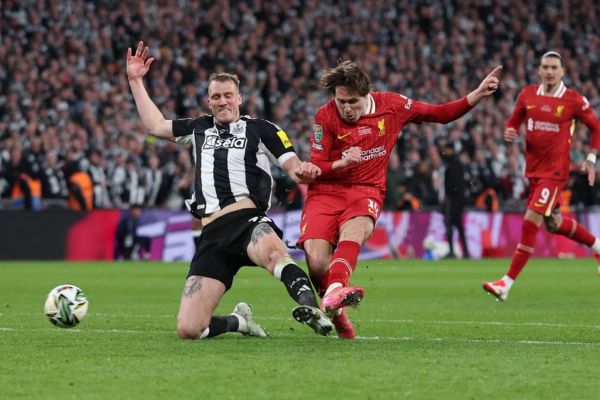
(426, 331)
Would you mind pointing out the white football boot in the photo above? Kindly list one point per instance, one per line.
(244, 311)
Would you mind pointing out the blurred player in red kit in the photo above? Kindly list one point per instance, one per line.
(549, 111)
(354, 134)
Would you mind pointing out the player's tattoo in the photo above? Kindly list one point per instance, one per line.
(192, 285)
(259, 231)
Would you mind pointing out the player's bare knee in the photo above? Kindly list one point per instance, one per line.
(317, 262)
(552, 223)
(191, 331)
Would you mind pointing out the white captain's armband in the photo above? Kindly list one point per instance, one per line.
(591, 158)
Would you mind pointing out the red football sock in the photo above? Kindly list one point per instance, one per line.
(343, 262)
(524, 248)
(320, 282)
(571, 229)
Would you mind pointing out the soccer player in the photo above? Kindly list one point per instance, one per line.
(354, 134)
(232, 193)
(549, 111)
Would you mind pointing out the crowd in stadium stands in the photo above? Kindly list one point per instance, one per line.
(70, 135)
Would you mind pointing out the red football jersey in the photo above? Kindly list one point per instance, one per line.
(376, 133)
(549, 127)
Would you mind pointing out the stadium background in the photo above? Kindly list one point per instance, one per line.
(68, 122)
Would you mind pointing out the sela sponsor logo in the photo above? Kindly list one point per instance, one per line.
(317, 146)
(370, 154)
(542, 126)
(214, 142)
(546, 108)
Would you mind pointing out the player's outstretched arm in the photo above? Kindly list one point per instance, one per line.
(488, 86)
(138, 65)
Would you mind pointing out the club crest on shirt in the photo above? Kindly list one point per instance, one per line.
(318, 133)
(381, 126)
(237, 129)
(559, 110)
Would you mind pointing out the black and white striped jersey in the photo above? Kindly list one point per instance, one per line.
(232, 162)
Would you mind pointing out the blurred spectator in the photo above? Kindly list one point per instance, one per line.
(96, 171)
(54, 184)
(62, 81)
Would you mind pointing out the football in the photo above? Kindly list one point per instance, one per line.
(66, 306)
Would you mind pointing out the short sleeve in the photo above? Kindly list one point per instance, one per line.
(275, 140)
(183, 127)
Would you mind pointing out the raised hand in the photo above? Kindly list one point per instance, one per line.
(138, 64)
(491, 82)
(487, 86)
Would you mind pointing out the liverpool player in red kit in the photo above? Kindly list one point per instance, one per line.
(354, 134)
(549, 111)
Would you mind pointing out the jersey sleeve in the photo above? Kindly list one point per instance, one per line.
(321, 143)
(276, 141)
(417, 111)
(518, 114)
(183, 127)
(583, 112)
(440, 113)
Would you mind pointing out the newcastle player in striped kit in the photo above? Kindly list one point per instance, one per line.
(232, 193)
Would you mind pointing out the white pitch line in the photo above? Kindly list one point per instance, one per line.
(484, 341)
(388, 321)
(394, 321)
(494, 323)
(370, 338)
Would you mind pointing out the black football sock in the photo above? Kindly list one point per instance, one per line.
(296, 282)
(220, 325)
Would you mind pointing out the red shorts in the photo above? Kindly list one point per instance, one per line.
(544, 195)
(325, 212)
